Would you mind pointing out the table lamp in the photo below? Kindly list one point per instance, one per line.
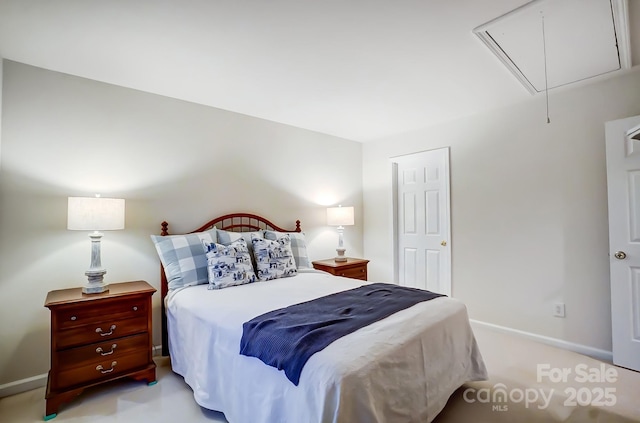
(340, 217)
(95, 214)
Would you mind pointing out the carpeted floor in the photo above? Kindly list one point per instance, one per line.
(514, 392)
(537, 396)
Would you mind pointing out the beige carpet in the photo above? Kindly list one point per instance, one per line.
(511, 361)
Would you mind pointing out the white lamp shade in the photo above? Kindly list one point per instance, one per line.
(95, 214)
(340, 216)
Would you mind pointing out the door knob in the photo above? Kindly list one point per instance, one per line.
(620, 255)
(443, 243)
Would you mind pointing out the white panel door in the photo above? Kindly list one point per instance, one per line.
(421, 220)
(623, 185)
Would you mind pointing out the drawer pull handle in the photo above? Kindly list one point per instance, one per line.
(99, 350)
(111, 329)
(101, 369)
(73, 317)
(135, 308)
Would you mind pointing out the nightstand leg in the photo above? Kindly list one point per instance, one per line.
(53, 401)
(148, 375)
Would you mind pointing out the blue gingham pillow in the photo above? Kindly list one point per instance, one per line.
(298, 246)
(228, 265)
(274, 259)
(183, 257)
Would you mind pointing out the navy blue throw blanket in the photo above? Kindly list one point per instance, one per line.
(288, 337)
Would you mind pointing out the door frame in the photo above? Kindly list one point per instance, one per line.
(394, 211)
(624, 326)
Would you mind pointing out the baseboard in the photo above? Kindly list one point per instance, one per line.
(39, 381)
(23, 385)
(555, 342)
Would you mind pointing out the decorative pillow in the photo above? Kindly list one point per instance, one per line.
(228, 265)
(184, 261)
(227, 237)
(274, 259)
(298, 246)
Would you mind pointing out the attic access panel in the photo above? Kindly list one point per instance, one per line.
(582, 38)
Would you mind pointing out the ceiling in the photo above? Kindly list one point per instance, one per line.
(358, 69)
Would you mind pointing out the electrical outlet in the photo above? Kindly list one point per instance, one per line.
(558, 310)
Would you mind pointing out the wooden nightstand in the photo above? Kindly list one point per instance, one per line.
(352, 268)
(98, 338)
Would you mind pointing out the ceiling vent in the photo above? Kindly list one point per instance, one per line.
(551, 43)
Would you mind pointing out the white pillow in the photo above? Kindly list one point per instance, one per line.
(227, 237)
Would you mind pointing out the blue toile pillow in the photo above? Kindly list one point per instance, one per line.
(182, 257)
(274, 259)
(298, 246)
(228, 265)
(227, 237)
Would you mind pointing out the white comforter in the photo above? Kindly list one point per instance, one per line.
(400, 369)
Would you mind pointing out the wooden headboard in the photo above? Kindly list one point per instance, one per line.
(234, 222)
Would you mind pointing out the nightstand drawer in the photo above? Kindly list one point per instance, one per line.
(100, 351)
(355, 273)
(115, 309)
(102, 331)
(105, 368)
(353, 268)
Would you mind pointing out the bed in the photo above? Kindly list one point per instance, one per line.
(402, 368)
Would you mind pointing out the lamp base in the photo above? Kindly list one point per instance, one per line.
(340, 258)
(95, 288)
(96, 283)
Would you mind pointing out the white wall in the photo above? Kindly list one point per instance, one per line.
(529, 209)
(171, 160)
(1, 69)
